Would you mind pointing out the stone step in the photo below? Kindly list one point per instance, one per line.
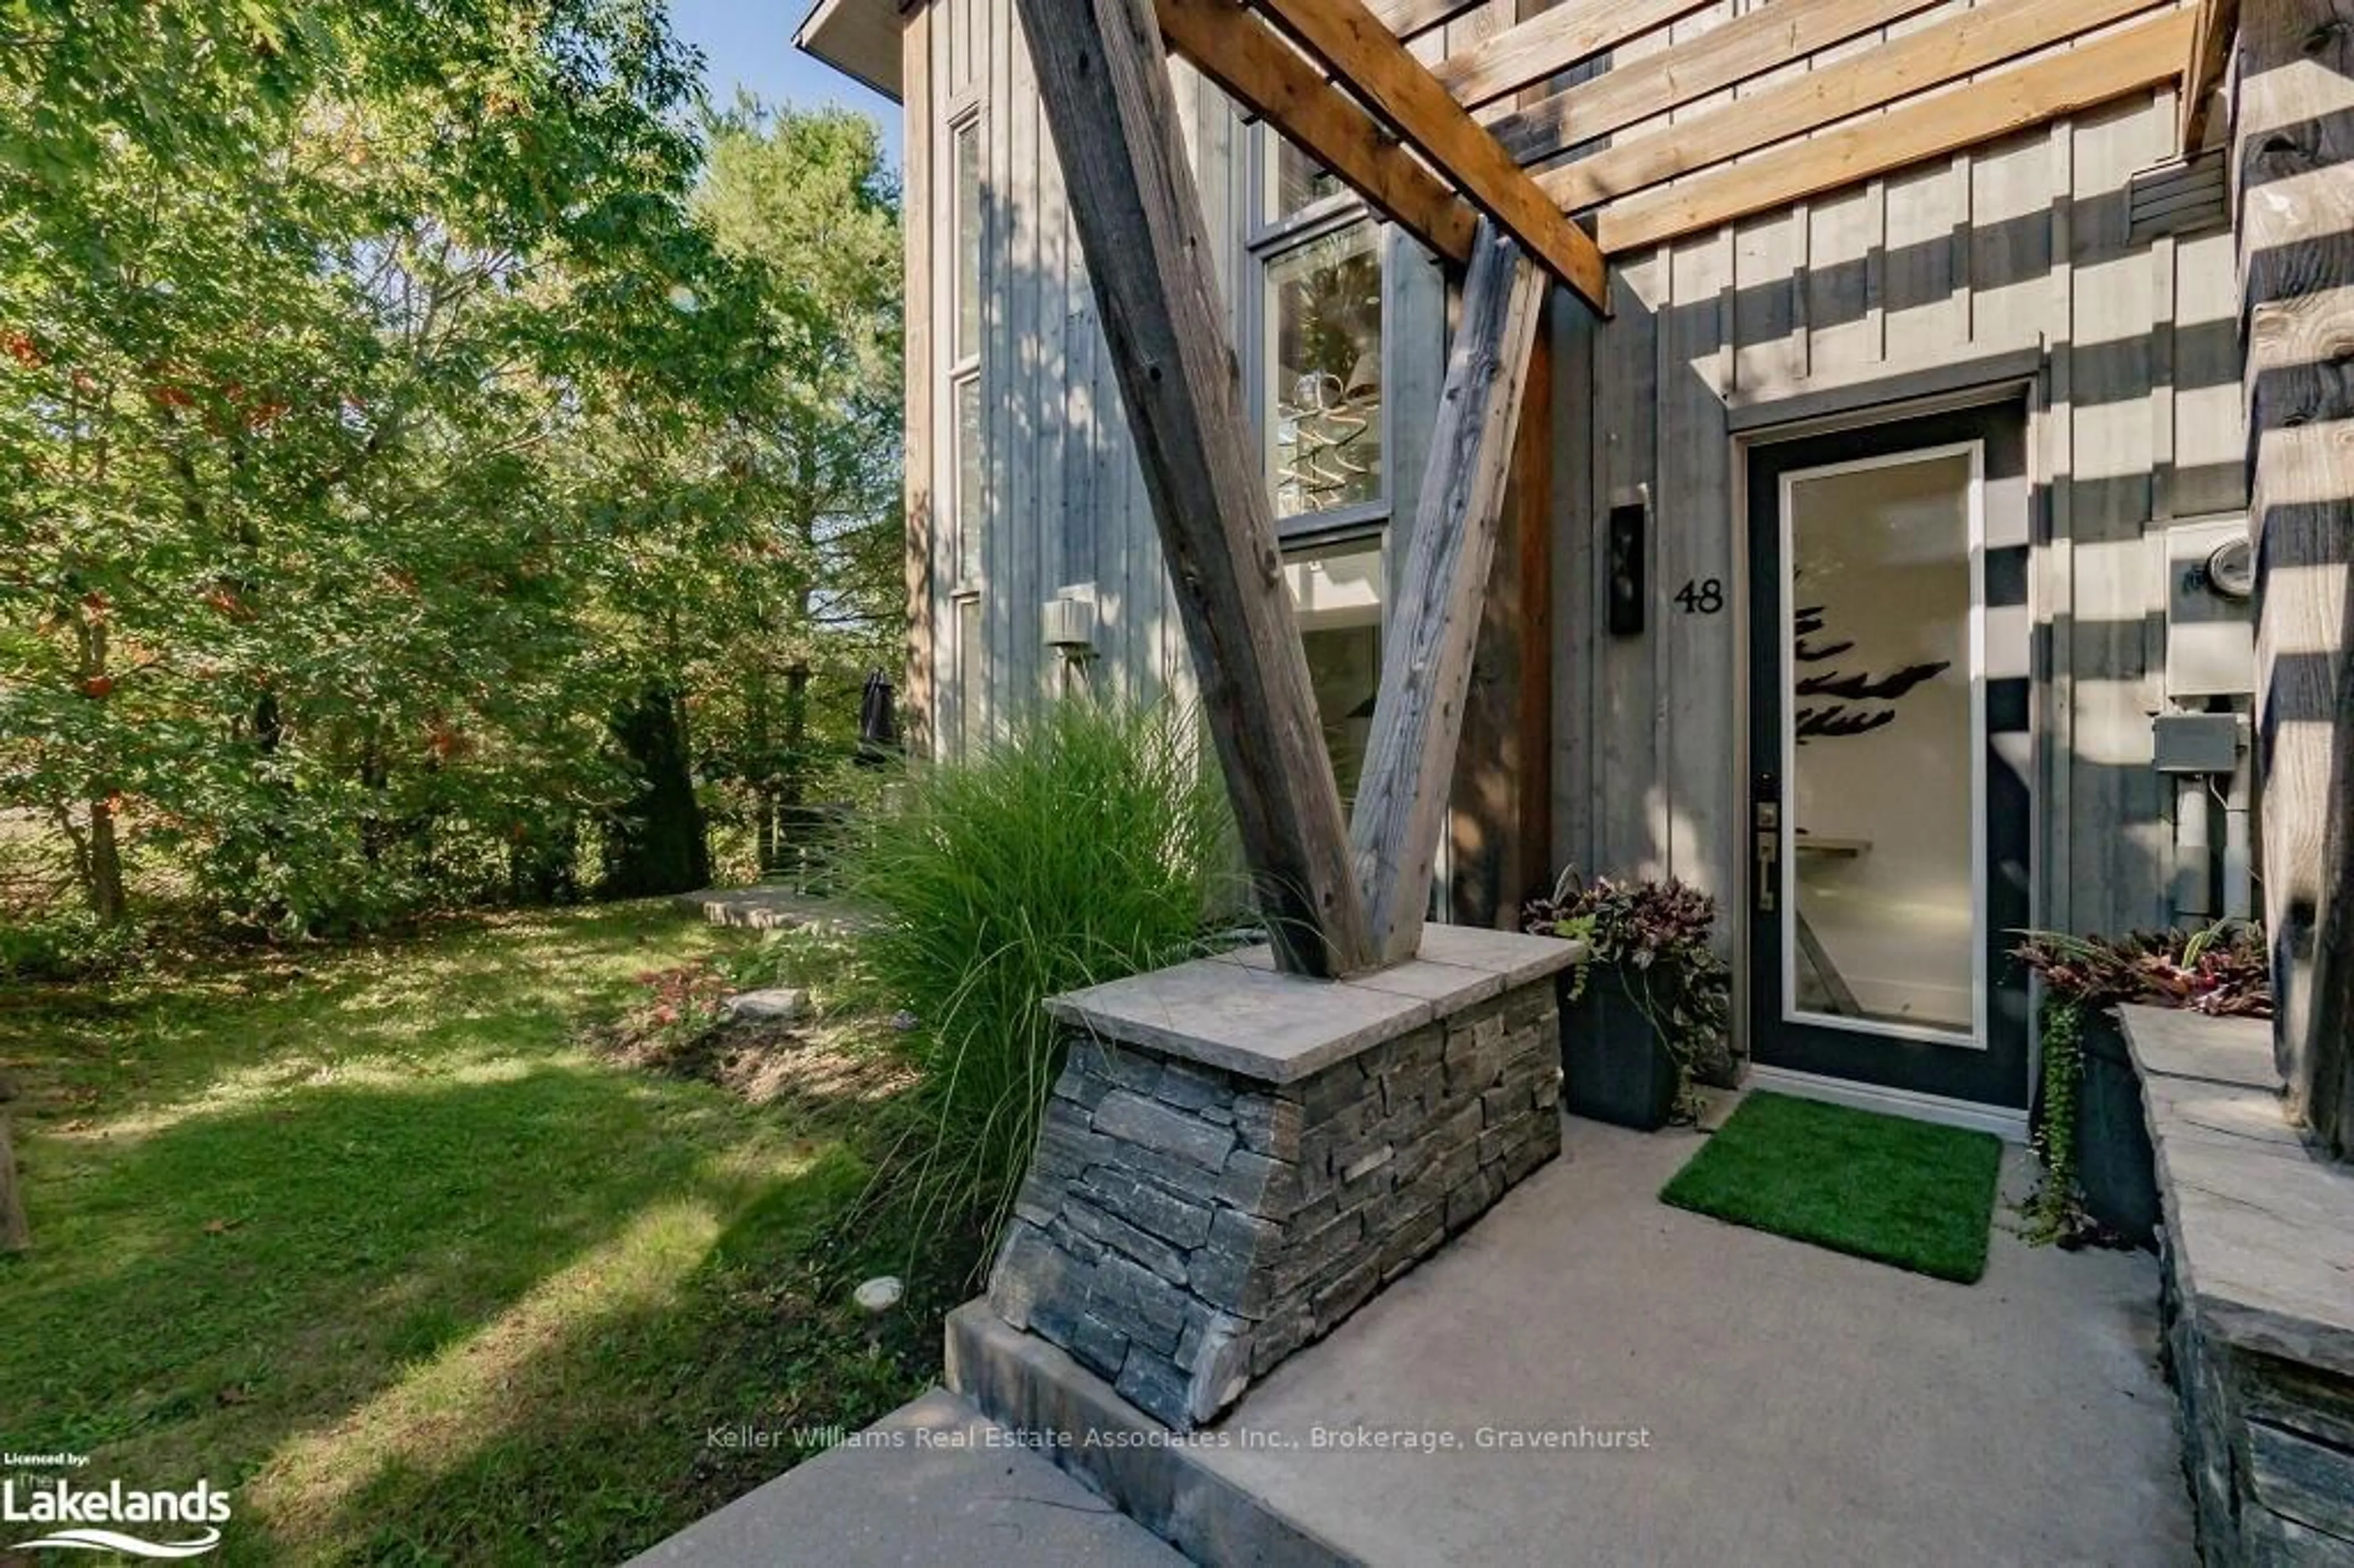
(931, 1482)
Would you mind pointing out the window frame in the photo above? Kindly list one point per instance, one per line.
(967, 562)
(1267, 242)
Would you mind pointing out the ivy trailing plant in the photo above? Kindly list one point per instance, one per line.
(2055, 1210)
(2219, 970)
(1654, 936)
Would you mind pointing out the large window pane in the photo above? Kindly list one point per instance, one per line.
(1324, 368)
(968, 479)
(971, 676)
(1294, 180)
(967, 220)
(1338, 597)
(1879, 735)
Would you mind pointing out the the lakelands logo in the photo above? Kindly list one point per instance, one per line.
(66, 1517)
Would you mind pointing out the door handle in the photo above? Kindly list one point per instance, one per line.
(1766, 836)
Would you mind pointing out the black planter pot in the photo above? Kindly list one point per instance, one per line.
(2114, 1164)
(1615, 1068)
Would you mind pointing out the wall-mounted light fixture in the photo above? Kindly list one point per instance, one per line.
(1067, 621)
(1629, 583)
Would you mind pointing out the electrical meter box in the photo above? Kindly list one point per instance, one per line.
(2211, 637)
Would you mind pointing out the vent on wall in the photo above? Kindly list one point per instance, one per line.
(2179, 197)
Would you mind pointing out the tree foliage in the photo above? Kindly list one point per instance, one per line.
(385, 420)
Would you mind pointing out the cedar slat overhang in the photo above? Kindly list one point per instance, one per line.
(1349, 42)
(1412, 18)
(2133, 58)
(1236, 50)
(1976, 40)
(1336, 77)
(1745, 46)
(1549, 43)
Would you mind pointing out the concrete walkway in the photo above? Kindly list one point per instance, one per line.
(1794, 1407)
(1715, 1395)
(930, 1483)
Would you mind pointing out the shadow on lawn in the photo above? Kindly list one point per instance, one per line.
(178, 1030)
(472, 1319)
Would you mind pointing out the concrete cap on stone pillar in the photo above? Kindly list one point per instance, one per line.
(1238, 1013)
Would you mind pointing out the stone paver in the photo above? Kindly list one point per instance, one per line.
(930, 1483)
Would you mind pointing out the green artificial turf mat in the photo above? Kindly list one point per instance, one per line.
(1908, 1192)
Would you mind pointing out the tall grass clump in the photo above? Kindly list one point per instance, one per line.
(1088, 842)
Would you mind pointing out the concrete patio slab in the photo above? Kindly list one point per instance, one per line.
(932, 1482)
(1720, 1394)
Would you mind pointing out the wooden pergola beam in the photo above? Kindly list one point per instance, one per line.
(1103, 81)
(1235, 48)
(2127, 60)
(1550, 42)
(1412, 18)
(1402, 795)
(2211, 56)
(1961, 46)
(1367, 59)
(1745, 46)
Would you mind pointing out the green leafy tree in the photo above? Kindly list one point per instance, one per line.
(808, 197)
(311, 319)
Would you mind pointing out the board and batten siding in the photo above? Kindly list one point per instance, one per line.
(1062, 501)
(2020, 244)
(2134, 419)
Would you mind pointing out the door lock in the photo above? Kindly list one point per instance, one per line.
(1767, 834)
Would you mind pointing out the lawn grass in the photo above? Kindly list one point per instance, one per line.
(1908, 1192)
(376, 1239)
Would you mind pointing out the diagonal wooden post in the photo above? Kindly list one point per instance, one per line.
(1104, 85)
(1434, 618)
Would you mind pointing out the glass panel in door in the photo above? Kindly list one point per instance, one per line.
(1881, 724)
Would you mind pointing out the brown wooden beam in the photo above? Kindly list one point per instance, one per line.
(1745, 46)
(1435, 615)
(2131, 59)
(1236, 50)
(1103, 81)
(2211, 57)
(2292, 132)
(1367, 59)
(1551, 42)
(1961, 46)
(1499, 812)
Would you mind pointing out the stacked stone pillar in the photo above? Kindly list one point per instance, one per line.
(1235, 1161)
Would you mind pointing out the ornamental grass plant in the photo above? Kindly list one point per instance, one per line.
(1087, 840)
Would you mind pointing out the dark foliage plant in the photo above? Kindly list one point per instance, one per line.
(2222, 970)
(1654, 936)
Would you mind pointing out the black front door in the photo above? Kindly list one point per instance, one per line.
(1889, 754)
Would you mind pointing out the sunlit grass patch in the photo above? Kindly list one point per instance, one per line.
(384, 1243)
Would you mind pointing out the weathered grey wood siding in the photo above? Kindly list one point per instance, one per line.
(2022, 243)
(1064, 503)
(2016, 244)
(1061, 501)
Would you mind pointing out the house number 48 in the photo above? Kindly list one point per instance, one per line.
(1700, 596)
